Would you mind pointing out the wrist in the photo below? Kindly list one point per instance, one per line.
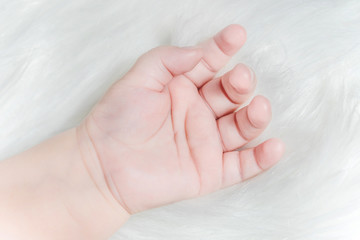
(51, 192)
(103, 204)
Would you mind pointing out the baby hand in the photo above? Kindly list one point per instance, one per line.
(169, 129)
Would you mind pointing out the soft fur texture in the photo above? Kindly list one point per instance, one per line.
(58, 58)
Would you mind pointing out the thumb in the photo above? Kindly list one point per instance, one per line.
(156, 68)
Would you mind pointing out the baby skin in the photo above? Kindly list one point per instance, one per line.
(169, 130)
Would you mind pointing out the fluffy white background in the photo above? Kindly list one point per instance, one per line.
(58, 57)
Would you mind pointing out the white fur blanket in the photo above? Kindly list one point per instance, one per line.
(58, 57)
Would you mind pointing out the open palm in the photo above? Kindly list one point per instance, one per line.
(168, 130)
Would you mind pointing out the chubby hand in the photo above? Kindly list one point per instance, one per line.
(169, 129)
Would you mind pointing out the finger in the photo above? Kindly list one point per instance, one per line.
(237, 129)
(225, 94)
(242, 165)
(156, 68)
(217, 52)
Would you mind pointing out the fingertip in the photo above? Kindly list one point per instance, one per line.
(234, 35)
(231, 39)
(270, 152)
(274, 146)
(259, 112)
(241, 78)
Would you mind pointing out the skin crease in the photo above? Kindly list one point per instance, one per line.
(169, 131)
